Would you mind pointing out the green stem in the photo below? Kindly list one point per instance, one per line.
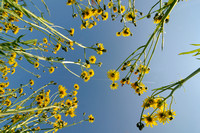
(27, 110)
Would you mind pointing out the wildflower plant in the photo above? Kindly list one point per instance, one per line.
(25, 114)
(16, 48)
(20, 112)
(137, 64)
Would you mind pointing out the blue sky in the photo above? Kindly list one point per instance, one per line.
(118, 111)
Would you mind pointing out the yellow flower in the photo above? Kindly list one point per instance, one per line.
(114, 9)
(71, 32)
(36, 64)
(6, 84)
(90, 25)
(84, 74)
(19, 13)
(45, 40)
(110, 5)
(51, 70)
(62, 91)
(1, 28)
(160, 103)
(87, 13)
(162, 116)
(143, 69)
(31, 82)
(126, 32)
(71, 43)
(118, 34)
(76, 86)
(83, 26)
(15, 64)
(149, 102)
(91, 72)
(2, 91)
(92, 59)
(74, 93)
(139, 88)
(149, 120)
(122, 9)
(58, 117)
(87, 65)
(74, 99)
(70, 2)
(46, 100)
(7, 102)
(104, 16)
(171, 114)
(31, 29)
(113, 75)
(114, 86)
(13, 55)
(87, 78)
(91, 118)
(15, 29)
(57, 47)
(70, 112)
(13, 71)
(4, 14)
(20, 90)
(130, 15)
(68, 103)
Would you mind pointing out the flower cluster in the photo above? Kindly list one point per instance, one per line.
(39, 107)
(114, 76)
(88, 14)
(8, 65)
(25, 113)
(138, 86)
(162, 115)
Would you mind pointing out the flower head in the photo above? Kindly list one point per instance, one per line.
(149, 120)
(76, 86)
(51, 69)
(31, 82)
(62, 91)
(92, 59)
(36, 64)
(91, 118)
(113, 75)
(91, 72)
(71, 32)
(45, 40)
(114, 86)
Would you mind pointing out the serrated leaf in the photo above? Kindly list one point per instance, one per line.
(190, 52)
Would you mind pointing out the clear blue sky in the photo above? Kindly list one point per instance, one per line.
(118, 111)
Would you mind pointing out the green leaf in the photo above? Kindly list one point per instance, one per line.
(32, 41)
(195, 44)
(18, 39)
(190, 52)
(2, 53)
(46, 6)
(28, 59)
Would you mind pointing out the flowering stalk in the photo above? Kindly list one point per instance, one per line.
(159, 103)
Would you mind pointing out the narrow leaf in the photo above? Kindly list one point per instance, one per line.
(190, 52)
